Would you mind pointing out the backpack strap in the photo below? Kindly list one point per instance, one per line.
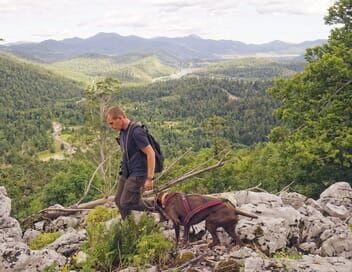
(132, 126)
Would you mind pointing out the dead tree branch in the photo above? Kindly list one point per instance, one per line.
(87, 188)
(184, 177)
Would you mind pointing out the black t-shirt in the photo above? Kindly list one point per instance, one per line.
(137, 163)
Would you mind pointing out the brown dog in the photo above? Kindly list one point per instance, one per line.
(223, 214)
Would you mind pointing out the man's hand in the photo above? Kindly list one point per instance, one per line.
(148, 185)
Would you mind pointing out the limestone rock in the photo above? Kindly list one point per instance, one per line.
(337, 242)
(5, 207)
(29, 234)
(248, 197)
(38, 260)
(63, 223)
(295, 200)
(337, 200)
(10, 230)
(68, 243)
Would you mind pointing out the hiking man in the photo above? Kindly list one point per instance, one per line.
(138, 164)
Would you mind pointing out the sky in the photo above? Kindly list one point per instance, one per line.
(249, 21)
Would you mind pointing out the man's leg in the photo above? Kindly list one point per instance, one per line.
(131, 197)
(120, 189)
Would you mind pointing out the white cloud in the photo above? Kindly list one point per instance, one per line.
(299, 7)
(250, 20)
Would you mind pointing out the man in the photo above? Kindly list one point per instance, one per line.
(138, 164)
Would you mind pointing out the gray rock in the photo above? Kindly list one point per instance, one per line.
(275, 228)
(63, 223)
(10, 230)
(241, 253)
(40, 226)
(308, 247)
(269, 233)
(336, 242)
(248, 197)
(38, 260)
(256, 264)
(306, 264)
(29, 234)
(11, 252)
(313, 225)
(295, 200)
(337, 200)
(316, 263)
(5, 207)
(68, 243)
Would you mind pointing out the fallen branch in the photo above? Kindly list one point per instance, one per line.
(172, 164)
(78, 207)
(285, 188)
(184, 177)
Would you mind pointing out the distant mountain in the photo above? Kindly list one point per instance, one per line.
(171, 50)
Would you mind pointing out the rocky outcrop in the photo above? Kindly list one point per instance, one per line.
(315, 232)
(15, 254)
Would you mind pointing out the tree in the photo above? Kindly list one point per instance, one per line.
(316, 111)
(98, 96)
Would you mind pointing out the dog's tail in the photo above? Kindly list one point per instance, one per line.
(238, 211)
(245, 214)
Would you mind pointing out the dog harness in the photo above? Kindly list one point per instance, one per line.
(189, 211)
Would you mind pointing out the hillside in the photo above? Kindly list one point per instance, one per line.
(125, 68)
(168, 49)
(252, 68)
(30, 98)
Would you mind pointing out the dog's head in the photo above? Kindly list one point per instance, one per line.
(160, 199)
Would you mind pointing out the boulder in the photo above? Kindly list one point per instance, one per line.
(69, 242)
(337, 200)
(336, 242)
(293, 199)
(5, 207)
(307, 264)
(248, 197)
(63, 223)
(39, 260)
(29, 234)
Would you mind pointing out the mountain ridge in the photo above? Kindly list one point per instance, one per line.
(190, 47)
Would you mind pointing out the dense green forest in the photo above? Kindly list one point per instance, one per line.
(253, 68)
(31, 98)
(294, 129)
(181, 112)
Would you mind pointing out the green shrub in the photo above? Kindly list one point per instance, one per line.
(285, 254)
(153, 248)
(117, 246)
(228, 266)
(44, 239)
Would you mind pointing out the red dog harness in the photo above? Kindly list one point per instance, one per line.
(189, 212)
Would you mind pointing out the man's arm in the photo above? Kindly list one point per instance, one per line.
(149, 152)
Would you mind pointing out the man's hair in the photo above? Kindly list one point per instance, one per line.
(114, 112)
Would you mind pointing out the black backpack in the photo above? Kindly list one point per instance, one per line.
(159, 158)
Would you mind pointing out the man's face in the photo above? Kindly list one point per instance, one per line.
(115, 124)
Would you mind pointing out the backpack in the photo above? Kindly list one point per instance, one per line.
(159, 158)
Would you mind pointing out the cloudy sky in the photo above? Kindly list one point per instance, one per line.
(250, 21)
